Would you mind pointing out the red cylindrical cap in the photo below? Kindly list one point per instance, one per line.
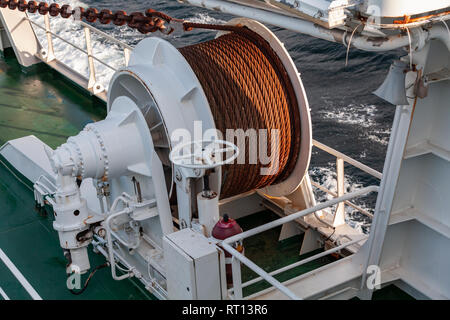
(225, 228)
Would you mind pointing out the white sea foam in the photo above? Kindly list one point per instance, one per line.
(380, 136)
(205, 18)
(361, 114)
(71, 31)
(103, 49)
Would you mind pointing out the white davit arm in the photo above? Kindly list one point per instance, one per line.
(367, 43)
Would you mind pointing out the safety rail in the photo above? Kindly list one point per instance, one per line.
(238, 258)
(49, 54)
(44, 189)
(341, 159)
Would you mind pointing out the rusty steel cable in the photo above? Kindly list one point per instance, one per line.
(245, 82)
(247, 87)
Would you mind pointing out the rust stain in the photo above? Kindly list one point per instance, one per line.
(407, 19)
(84, 221)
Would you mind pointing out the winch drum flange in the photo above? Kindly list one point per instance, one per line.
(160, 77)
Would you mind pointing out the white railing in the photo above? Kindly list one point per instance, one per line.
(49, 55)
(44, 189)
(238, 258)
(341, 159)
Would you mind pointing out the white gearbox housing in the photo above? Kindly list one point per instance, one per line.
(118, 151)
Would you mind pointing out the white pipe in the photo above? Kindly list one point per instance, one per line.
(161, 294)
(264, 16)
(110, 246)
(440, 32)
(98, 246)
(300, 214)
(43, 188)
(124, 199)
(302, 262)
(52, 184)
(50, 201)
(260, 272)
(377, 44)
(303, 26)
(266, 276)
(108, 203)
(102, 205)
(348, 159)
(19, 276)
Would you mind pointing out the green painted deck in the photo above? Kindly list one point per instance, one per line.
(40, 102)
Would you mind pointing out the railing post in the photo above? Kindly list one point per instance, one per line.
(126, 53)
(339, 216)
(50, 54)
(92, 79)
(237, 279)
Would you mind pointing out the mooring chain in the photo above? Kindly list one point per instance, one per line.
(150, 21)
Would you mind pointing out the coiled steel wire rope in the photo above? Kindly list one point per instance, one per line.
(247, 87)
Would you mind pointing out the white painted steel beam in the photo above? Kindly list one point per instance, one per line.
(303, 26)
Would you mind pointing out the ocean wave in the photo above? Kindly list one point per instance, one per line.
(381, 140)
(203, 17)
(104, 50)
(356, 114)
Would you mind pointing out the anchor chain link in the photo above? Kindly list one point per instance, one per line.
(150, 21)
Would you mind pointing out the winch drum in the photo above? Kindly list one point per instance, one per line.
(163, 84)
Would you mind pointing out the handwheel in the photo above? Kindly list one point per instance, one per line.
(203, 154)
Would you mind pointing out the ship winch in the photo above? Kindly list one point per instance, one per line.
(222, 128)
(243, 82)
